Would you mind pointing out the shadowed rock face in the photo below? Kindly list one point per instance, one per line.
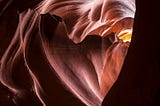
(21, 76)
(138, 82)
(62, 52)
